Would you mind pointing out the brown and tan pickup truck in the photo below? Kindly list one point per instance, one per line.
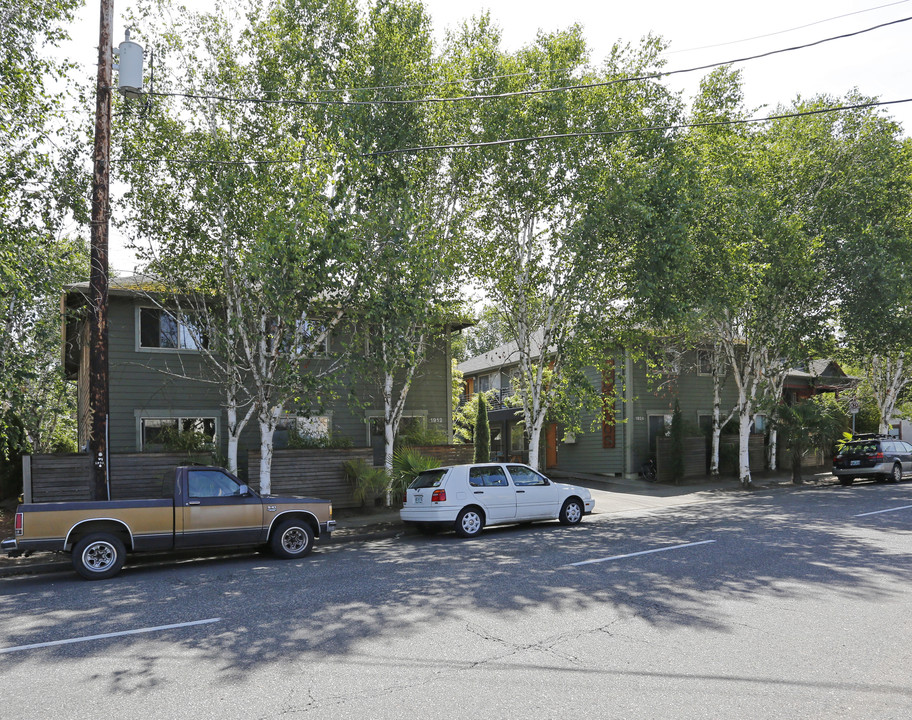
(200, 507)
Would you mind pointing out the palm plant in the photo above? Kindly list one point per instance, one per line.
(806, 426)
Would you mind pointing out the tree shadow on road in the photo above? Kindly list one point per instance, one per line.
(758, 548)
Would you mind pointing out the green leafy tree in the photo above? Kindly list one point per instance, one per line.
(562, 223)
(757, 278)
(402, 210)
(807, 426)
(230, 198)
(42, 198)
(482, 432)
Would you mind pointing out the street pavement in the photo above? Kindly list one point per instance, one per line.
(613, 496)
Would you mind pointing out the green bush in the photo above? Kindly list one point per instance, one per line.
(366, 479)
(407, 464)
(303, 440)
(421, 436)
(677, 444)
(482, 432)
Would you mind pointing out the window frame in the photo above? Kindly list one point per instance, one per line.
(178, 417)
(182, 332)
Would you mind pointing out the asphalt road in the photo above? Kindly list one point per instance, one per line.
(774, 604)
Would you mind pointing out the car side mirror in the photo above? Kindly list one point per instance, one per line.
(243, 491)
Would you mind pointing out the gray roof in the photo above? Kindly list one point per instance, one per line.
(502, 355)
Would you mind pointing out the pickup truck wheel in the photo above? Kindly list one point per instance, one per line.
(292, 539)
(99, 556)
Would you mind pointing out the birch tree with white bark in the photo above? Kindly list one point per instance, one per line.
(558, 219)
(758, 272)
(230, 201)
(403, 207)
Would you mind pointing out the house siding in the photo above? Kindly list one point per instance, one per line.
(162, 383)
(635, 403)
(587, 455)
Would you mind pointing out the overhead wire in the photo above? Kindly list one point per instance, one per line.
(526, 93)
(536, 138)
(787, 30)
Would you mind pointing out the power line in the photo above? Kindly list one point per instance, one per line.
(526, 93)
(787, 30)
(652, 128)
(534, 138)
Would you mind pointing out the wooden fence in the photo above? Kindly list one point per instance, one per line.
(67, 478)
(310, 473)
(694, 458)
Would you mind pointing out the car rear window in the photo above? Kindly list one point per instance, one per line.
(428, 479)
(860, 448)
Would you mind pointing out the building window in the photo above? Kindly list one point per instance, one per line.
(517, 438)
(302, 432)
(158, 434)
(161, 330)
(483, 384)
(704, 362)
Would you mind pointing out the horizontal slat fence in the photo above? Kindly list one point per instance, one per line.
(57, 478)
(68, 478)
(694, 458)
(449, 454)
(310, 473)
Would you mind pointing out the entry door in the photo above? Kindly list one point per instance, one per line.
(490, 488)
(551, 446)
(216, 514)
(536, 496)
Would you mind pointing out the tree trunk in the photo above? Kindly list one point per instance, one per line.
(774, 449)
(267, 430)
(744, 423)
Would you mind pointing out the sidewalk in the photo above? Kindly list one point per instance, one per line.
(612, 496)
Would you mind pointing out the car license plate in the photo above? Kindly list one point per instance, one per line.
(854, 463)
(418, 499)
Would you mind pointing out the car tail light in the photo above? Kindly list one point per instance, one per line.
(876, 456)
(18, 523)
(439, 496)
(405, 498)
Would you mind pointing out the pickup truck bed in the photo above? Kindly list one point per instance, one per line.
(203, 507)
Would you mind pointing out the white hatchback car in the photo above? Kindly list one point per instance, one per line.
(468, 497)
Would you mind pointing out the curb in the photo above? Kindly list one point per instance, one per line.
(32, 566)
(376, 531)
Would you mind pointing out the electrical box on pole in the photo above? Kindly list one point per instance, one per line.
(129, 67)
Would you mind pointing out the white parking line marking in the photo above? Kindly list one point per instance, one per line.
(878, 512)
(107, 635)
(642, 552)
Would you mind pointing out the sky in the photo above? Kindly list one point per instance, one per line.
(699, 32)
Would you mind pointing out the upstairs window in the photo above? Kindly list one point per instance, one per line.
(161, 330)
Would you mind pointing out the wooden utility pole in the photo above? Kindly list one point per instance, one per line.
(98, 281)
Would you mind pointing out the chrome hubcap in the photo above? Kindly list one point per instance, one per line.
(294, 540)
(99, 556)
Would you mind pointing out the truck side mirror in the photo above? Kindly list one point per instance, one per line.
(243, 490)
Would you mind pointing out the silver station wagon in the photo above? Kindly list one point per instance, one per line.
(469, 497)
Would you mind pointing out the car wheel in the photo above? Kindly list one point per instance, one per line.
(292, 539)
(99, 556)
(896, 475)
(469, 522)
(571, 513)
(846, 481)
